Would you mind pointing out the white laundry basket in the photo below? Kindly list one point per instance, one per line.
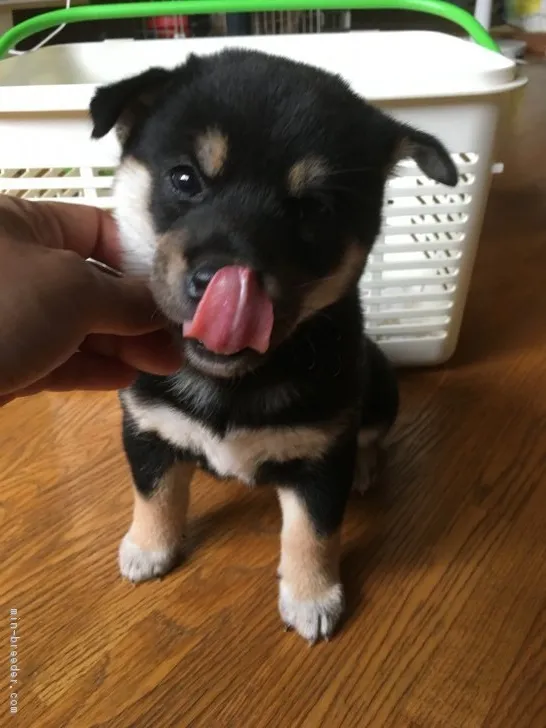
(416, 281)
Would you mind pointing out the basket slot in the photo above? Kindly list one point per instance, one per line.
(436, 335)
(105, 203)
(413, 228)
(454, 246)
(424, 264)
(409, 329)
(407, 313)
(410, 299)
(442, 239)
(459, 199)
(408, 281)
(465, 158)
(411, 191)
(76, 184)
(422, 209)
(397, 187)
(441, 254)
(410, 169)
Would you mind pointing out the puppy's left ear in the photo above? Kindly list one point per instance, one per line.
(429, 153)
(123, 103)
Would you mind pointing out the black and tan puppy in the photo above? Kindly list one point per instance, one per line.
(250, 192)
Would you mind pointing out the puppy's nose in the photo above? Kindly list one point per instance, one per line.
(199, 280)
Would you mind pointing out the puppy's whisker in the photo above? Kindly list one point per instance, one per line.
(348, 190)
(350, 170)
(317, 281)
(156, 314)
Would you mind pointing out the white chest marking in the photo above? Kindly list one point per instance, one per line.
(241, 451)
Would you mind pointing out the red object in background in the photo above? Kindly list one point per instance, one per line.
(169, 26)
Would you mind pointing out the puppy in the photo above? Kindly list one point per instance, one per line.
(249, 194)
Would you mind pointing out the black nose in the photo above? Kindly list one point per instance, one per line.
(198, 281)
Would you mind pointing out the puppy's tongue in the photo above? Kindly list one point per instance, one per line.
(234, 314)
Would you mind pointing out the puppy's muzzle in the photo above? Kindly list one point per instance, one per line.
(233, 311)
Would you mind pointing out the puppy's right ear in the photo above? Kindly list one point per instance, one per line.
(124, 103)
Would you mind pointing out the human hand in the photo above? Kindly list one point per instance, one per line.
(64, 323)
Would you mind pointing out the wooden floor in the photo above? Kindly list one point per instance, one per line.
(445, 571)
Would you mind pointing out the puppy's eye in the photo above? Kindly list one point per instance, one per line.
(185, 181)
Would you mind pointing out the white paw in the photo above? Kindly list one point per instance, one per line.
(136, 564)
(366, 468)
(313, 619)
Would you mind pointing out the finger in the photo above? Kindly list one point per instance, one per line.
(88, 231)
(122, 306)
(85, 371)
(154, 353)
(15, 222)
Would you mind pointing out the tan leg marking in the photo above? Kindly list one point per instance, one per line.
(155, 541)
(309, 563)
(367, 457)
(311, 596)
(159, 522)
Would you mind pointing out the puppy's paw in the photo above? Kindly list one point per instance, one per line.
(313, 619)
(366, 469)
(136, 564)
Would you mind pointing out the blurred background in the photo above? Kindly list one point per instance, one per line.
(516, 20)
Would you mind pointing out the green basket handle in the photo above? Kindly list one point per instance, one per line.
(191, 7)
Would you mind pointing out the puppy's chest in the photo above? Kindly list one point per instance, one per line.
(239, 452)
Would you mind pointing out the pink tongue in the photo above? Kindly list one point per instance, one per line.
(234, 314)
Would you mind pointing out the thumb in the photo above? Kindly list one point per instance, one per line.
(122, 306)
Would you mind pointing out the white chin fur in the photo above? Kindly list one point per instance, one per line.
(215, 368)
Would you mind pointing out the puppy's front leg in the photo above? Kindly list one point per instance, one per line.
(311, 598)
(155, 541)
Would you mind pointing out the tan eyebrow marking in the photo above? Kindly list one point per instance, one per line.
(305, 173)
(211, 149)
